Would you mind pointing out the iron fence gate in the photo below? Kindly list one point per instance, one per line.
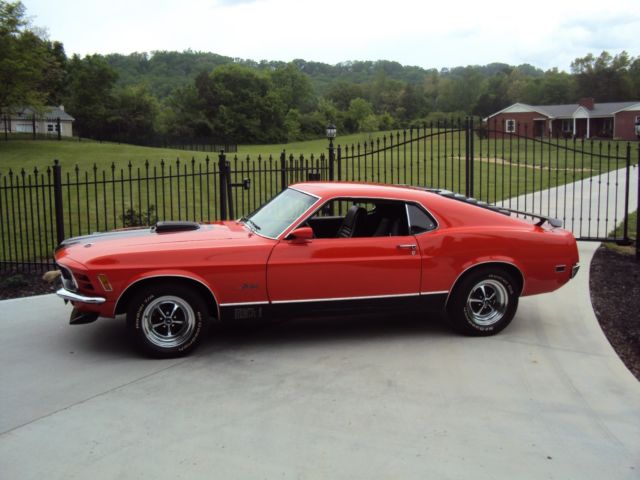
(587, 184)
(584, 183)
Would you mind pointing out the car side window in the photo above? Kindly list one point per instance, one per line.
(353, 218)
(419, 220)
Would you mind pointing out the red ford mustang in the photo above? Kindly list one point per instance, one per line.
(318, 248)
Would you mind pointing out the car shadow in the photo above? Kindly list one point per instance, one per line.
(360, 328)
(109, 337)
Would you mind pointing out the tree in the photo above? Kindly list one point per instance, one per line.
(90, 98)
(242, 105)
(341, 93)
(183, 114)
(31, 68)
(604, 78)
(134, 113)
(294, 88)
(360, 117)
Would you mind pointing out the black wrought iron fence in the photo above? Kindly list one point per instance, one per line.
(38, 209)
(585, 183)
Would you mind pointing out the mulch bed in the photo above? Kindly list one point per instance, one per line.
(21, 284)
(614, 282)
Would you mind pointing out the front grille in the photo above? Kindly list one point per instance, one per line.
(84, 283)
(68, 282)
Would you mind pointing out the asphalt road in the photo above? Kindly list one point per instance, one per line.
(358, 398)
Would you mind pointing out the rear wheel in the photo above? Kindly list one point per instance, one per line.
(483, 303)
(166, 320)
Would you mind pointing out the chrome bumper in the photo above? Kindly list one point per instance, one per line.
(74, 297)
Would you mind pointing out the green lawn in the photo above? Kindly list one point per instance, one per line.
(618, 232)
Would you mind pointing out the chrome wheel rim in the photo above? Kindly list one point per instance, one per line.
(168, 321)
(487, 302)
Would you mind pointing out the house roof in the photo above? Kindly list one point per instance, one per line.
(566, 111)
(49, 113)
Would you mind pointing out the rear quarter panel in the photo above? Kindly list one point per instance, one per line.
(450, 250)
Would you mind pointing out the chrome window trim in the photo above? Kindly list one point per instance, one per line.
(431, 215)
(359, 197)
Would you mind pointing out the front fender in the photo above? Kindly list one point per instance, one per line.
(160, 274)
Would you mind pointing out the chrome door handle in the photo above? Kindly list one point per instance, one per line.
(409, 246)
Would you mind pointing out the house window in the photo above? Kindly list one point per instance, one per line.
(567, 125)
(50, 127)
(510, 126)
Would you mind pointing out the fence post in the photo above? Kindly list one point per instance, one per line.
(339, 163)
(625, 223)
(57, 200)
(222, 170)
(466, 157)
(469, 157)
(283, 170)
(332, 157)
(230, 206)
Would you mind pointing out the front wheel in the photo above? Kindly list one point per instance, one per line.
(483, 303)
(166, 321)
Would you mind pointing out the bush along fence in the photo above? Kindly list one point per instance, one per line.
(584, 183)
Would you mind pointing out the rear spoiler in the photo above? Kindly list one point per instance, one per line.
(554, 222)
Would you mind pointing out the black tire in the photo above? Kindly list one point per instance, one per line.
(166, 320)
(483, 303)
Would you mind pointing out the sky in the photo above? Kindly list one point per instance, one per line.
(544, 33)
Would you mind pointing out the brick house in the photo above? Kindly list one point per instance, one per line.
(585, 119)
(46, 123)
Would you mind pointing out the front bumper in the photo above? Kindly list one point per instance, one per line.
(74, 297)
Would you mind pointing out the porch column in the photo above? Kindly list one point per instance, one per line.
(574, 127)
(588, 125)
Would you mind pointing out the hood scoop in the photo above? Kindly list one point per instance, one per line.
(174, 226)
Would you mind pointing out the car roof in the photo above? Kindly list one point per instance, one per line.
(448, 210)
(357, 189)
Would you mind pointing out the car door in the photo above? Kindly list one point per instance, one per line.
(344, 269)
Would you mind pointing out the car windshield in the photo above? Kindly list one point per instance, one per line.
(274, 217)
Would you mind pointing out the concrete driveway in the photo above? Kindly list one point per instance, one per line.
(363, 398)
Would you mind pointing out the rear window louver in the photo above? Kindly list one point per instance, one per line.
(554, 222)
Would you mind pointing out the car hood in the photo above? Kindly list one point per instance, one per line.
(85, 248)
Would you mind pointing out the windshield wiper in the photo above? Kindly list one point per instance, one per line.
(251, 223)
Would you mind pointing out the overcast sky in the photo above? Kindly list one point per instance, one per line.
(449, 33)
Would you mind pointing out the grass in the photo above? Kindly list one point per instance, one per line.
(619, 232)
(28, 154)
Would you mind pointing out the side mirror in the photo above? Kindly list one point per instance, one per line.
(301, 234)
